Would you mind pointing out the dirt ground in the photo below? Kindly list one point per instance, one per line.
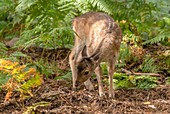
(56, 97)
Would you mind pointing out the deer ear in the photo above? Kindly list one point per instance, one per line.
(84, 52)
(92, 59)
(95, 57)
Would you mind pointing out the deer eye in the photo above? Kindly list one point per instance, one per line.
(86, 73)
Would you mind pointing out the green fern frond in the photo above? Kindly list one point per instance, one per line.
(148, 65)
(160, 37)
(104, 5)
(25, 4)
(3, 49)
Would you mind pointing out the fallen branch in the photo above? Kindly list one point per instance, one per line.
(139, 73)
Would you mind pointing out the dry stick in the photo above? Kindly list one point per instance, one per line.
(64, 99)
(146, 74)
(37, 90)
(64, 58)
(74, 107)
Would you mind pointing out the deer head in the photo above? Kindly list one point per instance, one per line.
(86, 65)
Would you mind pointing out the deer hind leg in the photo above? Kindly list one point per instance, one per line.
(98, 72)
(111, 68)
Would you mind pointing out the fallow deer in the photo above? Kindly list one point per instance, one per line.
(97, 39)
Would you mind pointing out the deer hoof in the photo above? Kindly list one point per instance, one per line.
(74, 89)
(112, 95)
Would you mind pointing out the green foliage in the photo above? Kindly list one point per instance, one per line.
(5, 9)
(50, 69)
(46, 24)
(146, 82)
(149, 65)
(44, 67)
(142, 82)
(31, 109)
(4, 78)
(22, 79)
(65, 76)
(124, 81)
(3, 49)
(124, 56)
(161, 26)
(104, 68)
(16, 56)
(165, 60)
(159, 38)
(168, 80)
(6, 16)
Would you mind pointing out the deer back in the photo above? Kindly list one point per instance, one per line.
(92, 29)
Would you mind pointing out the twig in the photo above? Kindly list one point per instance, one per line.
(138, 73)
(148, 74)
(74, 107)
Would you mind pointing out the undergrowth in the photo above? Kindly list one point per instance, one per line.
(20, 78)
(141, 82)
(148, 65)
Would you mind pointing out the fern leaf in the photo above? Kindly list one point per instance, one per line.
(160, 37)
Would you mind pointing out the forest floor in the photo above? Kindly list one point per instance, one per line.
(57, 97)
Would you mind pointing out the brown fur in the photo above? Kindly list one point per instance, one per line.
(97, 39)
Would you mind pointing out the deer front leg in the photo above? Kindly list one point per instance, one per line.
(98, 72)
(110, 68)
(72, 63)
(74, 55)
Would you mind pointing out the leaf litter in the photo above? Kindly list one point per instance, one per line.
(57, 97)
